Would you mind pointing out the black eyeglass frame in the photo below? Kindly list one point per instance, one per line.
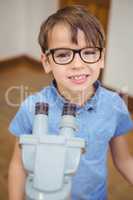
(51, 51)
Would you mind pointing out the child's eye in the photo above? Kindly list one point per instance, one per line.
(89, 52)
(63, 54)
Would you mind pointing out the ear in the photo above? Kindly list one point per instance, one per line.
(45, 63)
(102, 63)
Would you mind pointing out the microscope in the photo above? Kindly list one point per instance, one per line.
(51, 160)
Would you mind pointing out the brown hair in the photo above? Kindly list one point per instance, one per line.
(77, 17)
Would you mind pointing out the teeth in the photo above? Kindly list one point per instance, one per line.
(78, 77)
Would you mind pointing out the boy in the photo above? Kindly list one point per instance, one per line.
(72, 43)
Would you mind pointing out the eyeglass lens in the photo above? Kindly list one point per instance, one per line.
(65, 56)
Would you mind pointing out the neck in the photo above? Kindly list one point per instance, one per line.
(79, 98)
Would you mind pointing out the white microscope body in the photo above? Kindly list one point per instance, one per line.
(51, 160)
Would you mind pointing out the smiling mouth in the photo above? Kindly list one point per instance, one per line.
(78, 77)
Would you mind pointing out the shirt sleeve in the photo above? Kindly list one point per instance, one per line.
(21, 123)
(124, 120)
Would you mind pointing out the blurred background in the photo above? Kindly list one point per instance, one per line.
(21, 73)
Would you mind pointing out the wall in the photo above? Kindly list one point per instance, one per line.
(12, 29)
(19, 26)
(36, 13)
(118, 73)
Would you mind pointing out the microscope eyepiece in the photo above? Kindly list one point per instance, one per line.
(41, 108)
(69, 109)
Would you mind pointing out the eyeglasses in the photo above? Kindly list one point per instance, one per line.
(63, 56)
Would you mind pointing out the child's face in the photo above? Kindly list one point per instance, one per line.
(76, 76)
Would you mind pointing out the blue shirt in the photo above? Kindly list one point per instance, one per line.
(102, 117)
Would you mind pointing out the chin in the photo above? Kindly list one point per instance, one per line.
(79, 88)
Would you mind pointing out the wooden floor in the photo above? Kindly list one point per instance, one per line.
(31, 78)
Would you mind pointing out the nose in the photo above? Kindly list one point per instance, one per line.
(77, 62)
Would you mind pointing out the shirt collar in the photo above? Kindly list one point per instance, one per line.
(89, 105)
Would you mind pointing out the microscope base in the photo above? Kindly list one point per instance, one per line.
(33, 194)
